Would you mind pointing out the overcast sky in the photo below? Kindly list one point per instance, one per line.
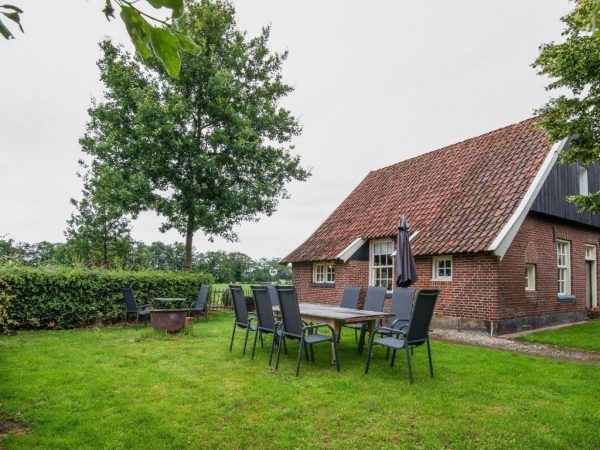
(375, 82)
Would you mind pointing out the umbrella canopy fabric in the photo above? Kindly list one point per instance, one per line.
(406, 269)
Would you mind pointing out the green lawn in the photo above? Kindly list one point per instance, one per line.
(124, 388)
(584, 335)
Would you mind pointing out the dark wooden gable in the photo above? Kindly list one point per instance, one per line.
(563, 181)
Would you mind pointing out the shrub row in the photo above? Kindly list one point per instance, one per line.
(67, 298)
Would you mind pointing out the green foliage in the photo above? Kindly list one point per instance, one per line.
(69, 298)
(206, 151)
(13, 14)
(574, 68)
(226, 267)
(99, 233)
(162, 40)
(6, 323)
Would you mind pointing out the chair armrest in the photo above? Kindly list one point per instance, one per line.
(397, 331)
(319, 325)
(143, 306)
(398, 320)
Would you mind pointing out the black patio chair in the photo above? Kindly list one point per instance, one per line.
(200, 307)
(243, 319)
(401, 307)
(294, 328)
(131, 307)
(349, 300)
(273, 296)
(350, 297)
(265, 317)
(373, 302)
(414, 334)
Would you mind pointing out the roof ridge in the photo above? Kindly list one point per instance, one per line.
(464, 141)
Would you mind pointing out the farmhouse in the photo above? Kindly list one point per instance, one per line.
(490, 227)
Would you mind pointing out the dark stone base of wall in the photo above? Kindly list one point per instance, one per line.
(507, 326)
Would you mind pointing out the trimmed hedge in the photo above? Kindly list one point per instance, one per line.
(35, 298)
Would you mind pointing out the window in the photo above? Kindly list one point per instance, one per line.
(442, 268)
(590, 253)
(529, 277)
(324, 272)
(382, 263)
(563, 259)
(582, 173)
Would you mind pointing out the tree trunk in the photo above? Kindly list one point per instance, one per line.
(105, 247)
(189, 238)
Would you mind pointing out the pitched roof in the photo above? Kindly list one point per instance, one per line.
(459, 197)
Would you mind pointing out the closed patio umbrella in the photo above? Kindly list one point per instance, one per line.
(406, 269)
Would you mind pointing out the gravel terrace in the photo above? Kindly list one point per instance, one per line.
(510, 345)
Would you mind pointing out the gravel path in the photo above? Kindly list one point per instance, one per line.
(511, 345)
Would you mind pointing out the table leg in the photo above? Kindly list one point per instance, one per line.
(371, 325)
(336, 325)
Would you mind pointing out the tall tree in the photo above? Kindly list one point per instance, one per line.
(574, 67)
(99, 232)
(208, 150)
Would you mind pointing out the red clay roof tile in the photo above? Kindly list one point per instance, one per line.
(458, 197)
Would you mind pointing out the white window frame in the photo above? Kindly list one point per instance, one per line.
(323, 272)
(591, 254)
(373, 267)
(563, 263)
(435, 266)
(582, 177)
(530, 277)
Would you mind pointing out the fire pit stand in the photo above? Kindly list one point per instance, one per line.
(170, 320)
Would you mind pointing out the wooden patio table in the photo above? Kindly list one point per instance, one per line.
(336, 317)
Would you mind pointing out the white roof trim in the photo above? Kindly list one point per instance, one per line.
(347, 253)
(500, 245)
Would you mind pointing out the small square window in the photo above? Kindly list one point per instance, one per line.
(324, 272)
(529, 277)
(442, 268)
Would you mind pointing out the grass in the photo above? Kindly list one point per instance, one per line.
(584, 335)
(124, 389)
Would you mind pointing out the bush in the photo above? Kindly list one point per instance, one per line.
(69, 298)
(6, 324)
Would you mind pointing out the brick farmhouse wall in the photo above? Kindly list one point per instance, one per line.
(484, 288)
(535, 243)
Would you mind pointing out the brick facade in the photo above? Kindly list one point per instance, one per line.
(485, 289)
(535, 243)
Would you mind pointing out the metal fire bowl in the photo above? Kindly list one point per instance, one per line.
(170, 320)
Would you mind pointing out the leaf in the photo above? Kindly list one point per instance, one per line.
(5, 31)
(109, 10)
(186, 43)
(138, 29)
(14, 8)
(14, 16)
(166, 48)
(175, 5)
